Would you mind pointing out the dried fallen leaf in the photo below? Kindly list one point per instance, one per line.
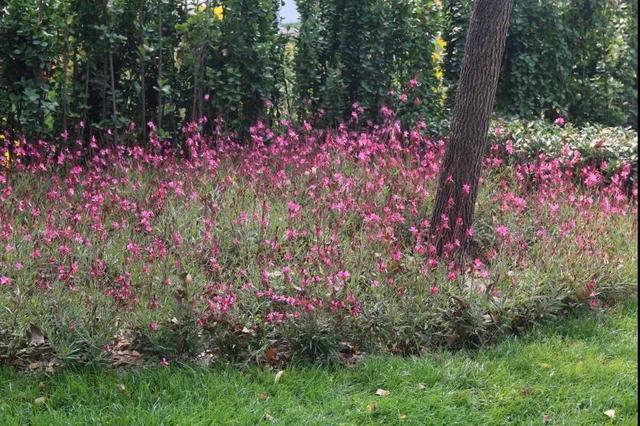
(349, 355)
(546, 418)
(610, 413)
(187, 279)
(51, 366)
(40, 400)
(122, 388)
(382, 392)
(402, 416)
(372, 407)
(272, 355)
(126, 358)
(422, 386)
(263, 396)
(527, 390)
(36, 336)
(278, 376)
(247, 330)
(269, 417)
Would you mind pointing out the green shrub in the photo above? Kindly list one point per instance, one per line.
(596, 143)
(578, 59)
(367, 52)
(88, 65)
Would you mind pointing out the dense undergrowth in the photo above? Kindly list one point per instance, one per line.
(302, 243)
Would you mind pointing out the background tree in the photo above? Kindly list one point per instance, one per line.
(367, 51)
(577, 59)
(79, 67)
(458, 185)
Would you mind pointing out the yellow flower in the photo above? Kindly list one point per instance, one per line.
(439, 74)
(201, 8)
(218, 11)
(440, 42)
(437, 56)
(7, 158)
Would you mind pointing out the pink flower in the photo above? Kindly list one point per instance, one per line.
(477, 264)
(470, 232)
(5, 281)
(502, 231)
(593, 178)
(293, 208)
(559, 121)
(177, 239)
(371, 218)
(509, 147)
(153, 326)
(343, 275)
(164, 362)
(133, 248)
(275, 317)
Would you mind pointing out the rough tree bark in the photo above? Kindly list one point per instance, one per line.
(458, 185)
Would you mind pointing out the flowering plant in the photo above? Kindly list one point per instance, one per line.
(304, 239)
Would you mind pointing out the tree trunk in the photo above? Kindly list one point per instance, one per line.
(452, 217)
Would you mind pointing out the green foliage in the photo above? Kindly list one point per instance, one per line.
(367, 52)
(574, 59)
(236, 61)
(456, 24)
(28, 43)
(88, 65)
(596, 143)
(82, 66)
(538, 61)
(578, 59)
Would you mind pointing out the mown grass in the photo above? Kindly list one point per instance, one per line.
(567, 374)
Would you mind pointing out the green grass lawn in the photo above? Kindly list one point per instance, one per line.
(570, 374)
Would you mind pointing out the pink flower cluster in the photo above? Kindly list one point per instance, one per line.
(290, 223)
